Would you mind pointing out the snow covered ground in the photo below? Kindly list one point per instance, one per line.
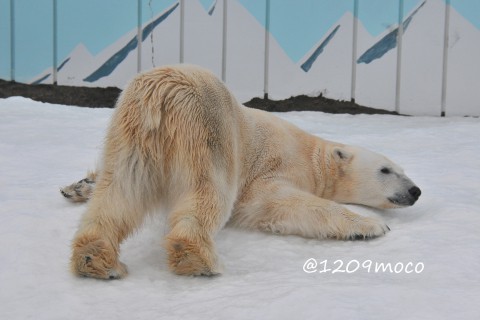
(45, 146)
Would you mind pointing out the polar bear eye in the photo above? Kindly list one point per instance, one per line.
(385, 171)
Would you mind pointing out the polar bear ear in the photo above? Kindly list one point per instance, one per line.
(342, 155)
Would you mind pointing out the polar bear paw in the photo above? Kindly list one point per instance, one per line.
(366, 228)
(94, 258)
(80, 191)
(191, 259)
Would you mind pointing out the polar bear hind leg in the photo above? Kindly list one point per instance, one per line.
(152, 158)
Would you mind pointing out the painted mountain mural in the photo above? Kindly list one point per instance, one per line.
(325, 69)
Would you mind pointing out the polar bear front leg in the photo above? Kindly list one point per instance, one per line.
(282, 209)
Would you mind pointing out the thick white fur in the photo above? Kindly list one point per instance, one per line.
(180, 140)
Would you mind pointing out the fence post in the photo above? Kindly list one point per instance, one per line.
(224, 42)
(139, 36)
(445, 58)
(354, 51)
(12, 40)
(55, 44)
(182, 30)
(267, 49)
(399, 56)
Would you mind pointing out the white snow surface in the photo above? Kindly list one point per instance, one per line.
(46, 146)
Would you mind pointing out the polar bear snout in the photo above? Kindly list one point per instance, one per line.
(415, 192)
(407, 198)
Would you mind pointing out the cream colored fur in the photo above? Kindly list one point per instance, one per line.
(180, 140)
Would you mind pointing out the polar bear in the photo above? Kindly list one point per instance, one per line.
(179, 139)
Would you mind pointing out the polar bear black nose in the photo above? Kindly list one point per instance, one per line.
(415, 192)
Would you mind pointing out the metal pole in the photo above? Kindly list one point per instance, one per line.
(267, 50)
(354, 51)
(224, 42)
(139, 36)
(182, 30)
(55, 45)
(445, 58)
(399, 56)
(12, 40)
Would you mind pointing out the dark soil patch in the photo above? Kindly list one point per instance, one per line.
(106, 98)
(75, 96)
(304, 103)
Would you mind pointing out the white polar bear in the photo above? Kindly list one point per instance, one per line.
(179, 139)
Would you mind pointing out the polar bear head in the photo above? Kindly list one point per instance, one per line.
(368, 178)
